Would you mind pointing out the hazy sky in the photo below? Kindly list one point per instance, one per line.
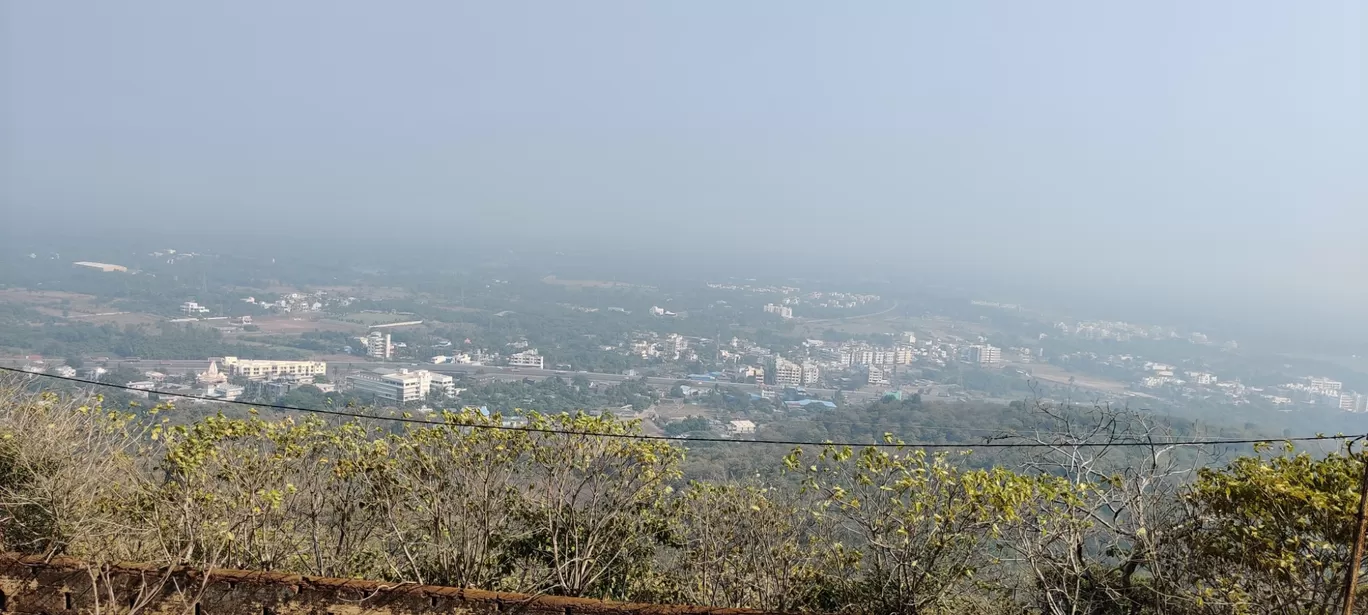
(1158, 145)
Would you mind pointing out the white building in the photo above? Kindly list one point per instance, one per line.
(256, 369)
(441, 383)
(378, 345)
(527, 358)
(782, 310)
(675, 345)
(877, 376)
(401, 386)
(810, 374)
(984, 354)
(1324, 386)
(742, 426)
(191, 308)
(105, 267)
(904, 355)
(1202, 378)
(787, 373)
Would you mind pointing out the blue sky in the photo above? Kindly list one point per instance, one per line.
(1213, 147)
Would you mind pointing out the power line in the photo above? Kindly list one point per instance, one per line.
(567, 432)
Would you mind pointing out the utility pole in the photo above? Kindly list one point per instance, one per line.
(1356, 558)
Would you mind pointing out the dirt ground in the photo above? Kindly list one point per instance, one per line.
(1054, 374)
(551, 279)
(294, 325)
(77, 307)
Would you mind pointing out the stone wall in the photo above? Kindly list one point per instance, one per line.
(32, 586)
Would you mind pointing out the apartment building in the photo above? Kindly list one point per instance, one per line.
(257, 369)
(787, 373)
(782, 311)
(527, 358)
(904, 355)
(378, 345)
(675, 345)
(403, 385)
(811, 374)
(983, 354)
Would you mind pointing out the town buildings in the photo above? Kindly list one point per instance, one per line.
(983, 354)
(782, 310)
(787, 373)
(741, 427)
(256, 369)
(527, 358)
(401, 386)
(378, 345)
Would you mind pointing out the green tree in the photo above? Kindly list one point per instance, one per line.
(1273, 533)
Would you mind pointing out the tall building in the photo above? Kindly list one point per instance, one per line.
(984, 354)
(810, 374)
(781, 310)
(787, 373)
(401, 386)
(256, 369)
(903, 355)
(877, 376)
(378, 345)
(675, 345)
(1353, 402)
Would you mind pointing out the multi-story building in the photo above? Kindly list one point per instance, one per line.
(1353, 402)
(378, 345)
(1202, 378)
(527, 358)
(903, 355)
(787, 373)
(675, 345)
(984, 354)
(1324, 386)
(401, 386)
(877, 376)
(782, 310)
(190, 307)
(255, 369)
(810, 374)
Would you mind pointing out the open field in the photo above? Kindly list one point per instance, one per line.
(378, 318)
(119, 318)
(376, 293)
(1057, 375)
(294, 325)
(75, 306)
(551, 279)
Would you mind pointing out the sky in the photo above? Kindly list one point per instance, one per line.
(1210, 151)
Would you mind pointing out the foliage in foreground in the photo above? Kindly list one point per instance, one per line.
(877, 530)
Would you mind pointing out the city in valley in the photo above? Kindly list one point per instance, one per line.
(716, 357)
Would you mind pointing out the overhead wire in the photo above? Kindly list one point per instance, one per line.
(1136, 442)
